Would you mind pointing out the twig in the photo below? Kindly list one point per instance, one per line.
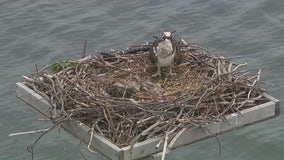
(146, 119)
(91, 139)
(84, 51)
(29, 132)
(165, 146)
(30, 147)
(254, 82)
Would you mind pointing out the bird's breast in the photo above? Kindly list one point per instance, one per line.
(165, 61)
(164, 49)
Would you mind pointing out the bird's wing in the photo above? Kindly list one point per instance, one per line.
(177, 52)
(153, 52)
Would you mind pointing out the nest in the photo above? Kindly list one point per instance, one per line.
(115, 94)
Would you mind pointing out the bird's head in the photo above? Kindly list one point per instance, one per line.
(167, 34)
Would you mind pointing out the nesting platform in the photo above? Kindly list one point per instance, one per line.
(102, 97)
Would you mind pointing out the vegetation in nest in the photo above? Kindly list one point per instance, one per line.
(59, 66)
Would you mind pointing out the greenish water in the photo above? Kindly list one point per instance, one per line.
(40, 32)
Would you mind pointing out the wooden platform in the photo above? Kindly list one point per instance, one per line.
(147, 148)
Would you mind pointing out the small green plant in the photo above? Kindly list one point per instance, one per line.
(59, 66)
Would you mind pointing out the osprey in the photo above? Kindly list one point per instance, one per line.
(165, 52)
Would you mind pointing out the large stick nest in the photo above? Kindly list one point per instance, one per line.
(115, 94)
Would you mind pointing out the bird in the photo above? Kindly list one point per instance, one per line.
(165, 52)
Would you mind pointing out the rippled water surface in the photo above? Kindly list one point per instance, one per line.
(41, 32)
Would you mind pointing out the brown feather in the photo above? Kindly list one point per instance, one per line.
(152, 54)
(177, 52)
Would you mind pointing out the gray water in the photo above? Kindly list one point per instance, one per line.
(41, 32)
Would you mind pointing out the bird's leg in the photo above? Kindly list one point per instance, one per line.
(158, 72)
(171, 72)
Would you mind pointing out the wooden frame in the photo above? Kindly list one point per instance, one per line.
(149, 147)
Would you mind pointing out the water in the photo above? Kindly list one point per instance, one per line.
(41, 32)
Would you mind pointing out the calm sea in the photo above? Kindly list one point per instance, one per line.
(45, 31)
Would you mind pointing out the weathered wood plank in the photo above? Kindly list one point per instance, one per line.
(276, 101)
(37, 102)
(142, 149)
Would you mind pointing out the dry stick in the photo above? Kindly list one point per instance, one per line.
(177, 135)
(159, 143)
(251, 100)
(91, 139)
(45, 97)
(29, 79)
(49, 77)
(29, 132)
(61, 96)
(124, 92)
(30, 147)
(100, 58)
(239, 112)
(241, 76)
(229, 107)
(238, 66)
(165, 146)
(219, 67)
(77, 132)
(254, 82)
(199, 100)
(230, 72)
(84, 51)
(145, 120)
(145, 132)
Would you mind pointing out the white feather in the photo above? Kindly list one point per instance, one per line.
(164, 49)
(167, 34)
(165, 61)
